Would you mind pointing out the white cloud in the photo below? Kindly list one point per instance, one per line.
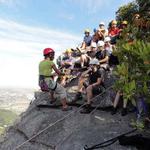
(10, 3)
(21, 50)
(92, 6)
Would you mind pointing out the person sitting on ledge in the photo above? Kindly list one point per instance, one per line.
(93, 87)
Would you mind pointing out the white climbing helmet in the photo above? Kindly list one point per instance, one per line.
(100, 43)
(102, 23)
(107, 39)
(93, 44)
(94, 62)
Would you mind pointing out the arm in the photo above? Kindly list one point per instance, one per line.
(83, 45)
(104, 60)
(99, 80)
(85, 73)
(56, 70)
(102, 33)
(68, 63)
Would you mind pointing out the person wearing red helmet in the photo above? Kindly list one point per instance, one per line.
(46, 81)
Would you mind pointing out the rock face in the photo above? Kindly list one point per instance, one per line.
(71, 133)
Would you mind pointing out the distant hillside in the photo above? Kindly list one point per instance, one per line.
(15, 99)
(13, 103)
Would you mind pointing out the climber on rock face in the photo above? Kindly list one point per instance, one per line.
(46, 81)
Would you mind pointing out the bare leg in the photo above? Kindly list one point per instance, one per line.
(64, 103)
(89, 94)
(116, 99)
(80, 84)
(125, 102)
(83, 45)
(51, 95)
(63, 81)
(83, 59)
(87, 109)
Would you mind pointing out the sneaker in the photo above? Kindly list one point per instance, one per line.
(114, 111)
(124, 112)
(67, 108)
(86, 110)
(53, 101)
(133, 109)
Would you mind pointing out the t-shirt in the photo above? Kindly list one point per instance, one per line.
(69, 60)
(109, 49)
(102, 54)
(45, 68)
(87, 40)
(113, 31)
(93, 76)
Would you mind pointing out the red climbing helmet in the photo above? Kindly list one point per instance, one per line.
(47, 51)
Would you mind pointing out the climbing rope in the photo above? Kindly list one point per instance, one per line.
(59, 120)
(99, 103)
(49, 126)
(108, 142)
(94, 98)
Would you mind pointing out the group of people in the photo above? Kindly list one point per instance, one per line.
(93, 59)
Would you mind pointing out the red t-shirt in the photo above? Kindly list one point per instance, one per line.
(113, 31)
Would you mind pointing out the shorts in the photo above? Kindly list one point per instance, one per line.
(96, 90)
(105, 66)
(59, 90)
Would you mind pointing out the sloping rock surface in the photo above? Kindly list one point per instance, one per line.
(72, 133)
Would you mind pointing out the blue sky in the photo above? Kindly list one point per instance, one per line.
(67, 15)
(28, 26)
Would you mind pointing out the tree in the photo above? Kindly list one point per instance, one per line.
(144, 7)
(126, 12)
(134, 50)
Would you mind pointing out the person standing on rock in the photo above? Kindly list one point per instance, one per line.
(46, 81)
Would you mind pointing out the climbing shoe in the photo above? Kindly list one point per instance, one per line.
(124, 112)
(67, 108)
(114, 111)
(53, 101)
(133, 109)
(86, 110)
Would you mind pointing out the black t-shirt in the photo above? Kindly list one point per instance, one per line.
(102, 54)
(93, 76)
